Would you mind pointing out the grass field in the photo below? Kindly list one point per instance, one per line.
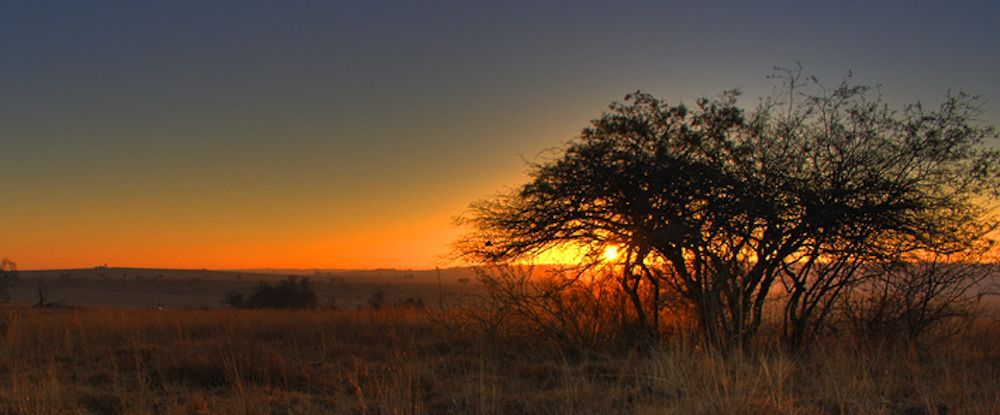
(421, 361)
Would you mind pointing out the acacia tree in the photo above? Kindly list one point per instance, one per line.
(876, 186)
(717, 204)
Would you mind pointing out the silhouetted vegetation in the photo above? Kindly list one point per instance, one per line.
(377, 299)
(235, 299)
(578, 317)
(718, 210)
(410, 302)
(43, 295)
(8, 276)
(908, 300)
(292, 292)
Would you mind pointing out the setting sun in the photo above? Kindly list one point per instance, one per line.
(611, 253)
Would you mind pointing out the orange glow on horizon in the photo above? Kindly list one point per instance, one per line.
(216, 224)
(404, 244)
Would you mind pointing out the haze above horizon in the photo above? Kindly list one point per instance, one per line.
(316, 135)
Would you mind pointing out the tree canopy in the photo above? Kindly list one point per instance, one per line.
(720, 204)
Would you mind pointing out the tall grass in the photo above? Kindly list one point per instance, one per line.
(403, 361)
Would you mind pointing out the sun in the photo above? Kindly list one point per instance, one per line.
(611, 253)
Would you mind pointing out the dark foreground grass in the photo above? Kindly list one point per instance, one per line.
(402, 361)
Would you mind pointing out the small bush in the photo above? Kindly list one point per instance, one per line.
(292, 292)
(907, 300)
(235, 299)
(8, 276)
(377, 299)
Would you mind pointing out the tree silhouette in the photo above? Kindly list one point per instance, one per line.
(8, 276)
(720, 205)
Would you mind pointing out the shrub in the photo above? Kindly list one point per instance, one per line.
(8, 276)
(235, 299)
(292, 292)
(377, 299)
(907, 300)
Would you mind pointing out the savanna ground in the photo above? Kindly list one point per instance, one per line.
(394, 360)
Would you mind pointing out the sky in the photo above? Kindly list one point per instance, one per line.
(223, 135)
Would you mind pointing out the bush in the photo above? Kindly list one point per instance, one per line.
(8, 276)
(907, 300)
(235, 299)
(377, 299)
(577, 313)
(292, 292)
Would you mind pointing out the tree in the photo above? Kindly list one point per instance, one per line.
(875, 186)
(720, 205)
(8, 276)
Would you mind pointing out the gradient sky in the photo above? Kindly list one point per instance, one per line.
(198, 134)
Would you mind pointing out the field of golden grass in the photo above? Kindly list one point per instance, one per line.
(417, 361)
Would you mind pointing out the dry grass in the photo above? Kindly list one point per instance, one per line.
(110, 361)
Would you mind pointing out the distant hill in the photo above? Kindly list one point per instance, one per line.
(453, 274)
(154, 287)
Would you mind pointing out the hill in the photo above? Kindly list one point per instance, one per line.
(152, 287)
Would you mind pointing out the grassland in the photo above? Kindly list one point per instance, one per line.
(423, 361)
